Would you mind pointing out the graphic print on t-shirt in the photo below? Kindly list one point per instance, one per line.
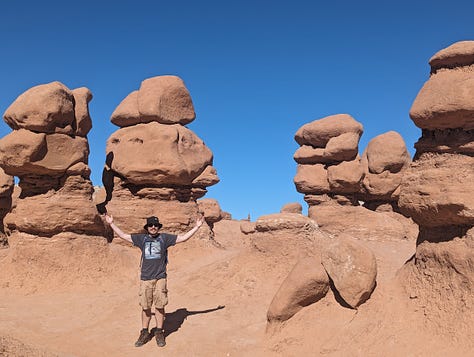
(153, 250)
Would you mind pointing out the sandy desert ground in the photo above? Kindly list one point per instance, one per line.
(77, 296)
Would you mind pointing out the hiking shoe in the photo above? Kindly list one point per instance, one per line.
(143, 338)
(160, 337)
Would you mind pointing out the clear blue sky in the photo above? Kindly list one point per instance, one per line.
(256, 70)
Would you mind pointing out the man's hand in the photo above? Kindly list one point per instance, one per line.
(117, 230)
(199, 221)
(184, 237)
(109, 219)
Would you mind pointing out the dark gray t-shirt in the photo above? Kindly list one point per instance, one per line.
(154, 253)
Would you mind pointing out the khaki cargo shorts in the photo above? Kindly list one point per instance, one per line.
(153, 292)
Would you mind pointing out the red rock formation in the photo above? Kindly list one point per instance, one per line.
(48, 152)
(293, 207)
(384, 161)
(211, 210)
(437, 189)
(155, 165)
(335, 179)
(163, 99)
(351, 267)
(46, 108)
(6, 190)
(306, 284)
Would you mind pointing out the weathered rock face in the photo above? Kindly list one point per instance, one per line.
(48, 152)
(155, 165)
(328, 147)
(163, 99)
(293, 207)
(385, 160)
(351, 266)
(158, 154)
(6, 190)
(46, 108)
(335, 179)
(365, 224)
(211, 210)
(319, 257)
(269, 235)
(306, 284)
(437, 188)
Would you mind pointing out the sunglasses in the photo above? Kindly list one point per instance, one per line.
(153, 225)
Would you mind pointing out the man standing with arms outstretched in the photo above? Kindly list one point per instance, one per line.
(153, 291)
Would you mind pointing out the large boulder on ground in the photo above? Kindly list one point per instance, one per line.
(306, 284)
(351, 267)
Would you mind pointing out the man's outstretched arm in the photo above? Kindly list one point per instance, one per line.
(184, 237)
(117, 230)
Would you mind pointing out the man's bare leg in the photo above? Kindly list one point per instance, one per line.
(159, 334)
(144, 333)
(146, 318)
(159, 317)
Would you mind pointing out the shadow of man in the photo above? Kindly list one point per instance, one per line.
(174, 320)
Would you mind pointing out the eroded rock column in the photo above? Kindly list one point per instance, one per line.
(437, 190)
(336, 181)
(155, 165)
(48, 151)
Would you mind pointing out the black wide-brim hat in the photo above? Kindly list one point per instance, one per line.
(152, 220)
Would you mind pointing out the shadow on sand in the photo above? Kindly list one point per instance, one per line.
(174, 320)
